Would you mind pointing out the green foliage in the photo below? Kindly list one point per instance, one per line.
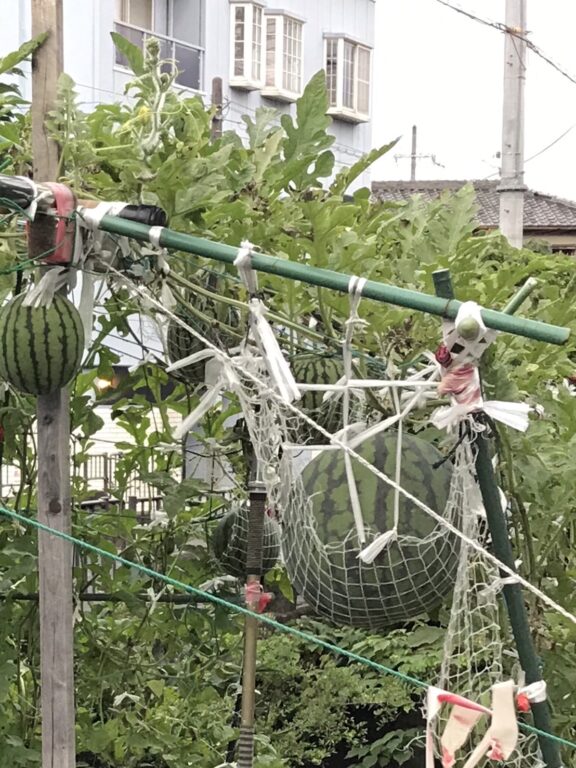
(319, 704)
(14, 125)
(157, 681)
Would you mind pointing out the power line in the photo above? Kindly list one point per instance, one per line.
(501, 27)
(552, 143)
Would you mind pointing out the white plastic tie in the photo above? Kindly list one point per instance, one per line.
(275, 361)
(92, 217)
(154, 235)
(243, 263)
(42, 295)
(355, 286)
(371, 552)
(86, 307)
(263, 334)
(206, 403)
(354, 499)
(196, 357)
(536, 692)
(162, 261)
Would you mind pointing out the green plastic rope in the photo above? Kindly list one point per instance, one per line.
(306, 636)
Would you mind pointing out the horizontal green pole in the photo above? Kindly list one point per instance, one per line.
(336, 281)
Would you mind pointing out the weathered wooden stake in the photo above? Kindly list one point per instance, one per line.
(55, 555)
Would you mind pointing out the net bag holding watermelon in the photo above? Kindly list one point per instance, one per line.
(357, 541)
(414, 571)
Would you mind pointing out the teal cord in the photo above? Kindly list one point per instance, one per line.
(306, 636)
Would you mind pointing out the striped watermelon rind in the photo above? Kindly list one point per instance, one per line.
(180, 343)
(230, 542)
(412, 576)
(316, 369)
(41, 348)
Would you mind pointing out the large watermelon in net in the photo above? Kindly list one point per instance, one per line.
(230, 542)
(412, 575)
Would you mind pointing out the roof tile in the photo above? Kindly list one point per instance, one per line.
(540, 211)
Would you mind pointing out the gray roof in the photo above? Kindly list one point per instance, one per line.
(541, 212)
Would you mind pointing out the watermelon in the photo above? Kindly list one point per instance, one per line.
(40, 347)
(230, 542)
(180, 343)
(315, 369)
(411, 576)
(311, 368)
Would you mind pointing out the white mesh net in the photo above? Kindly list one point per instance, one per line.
(474, 656)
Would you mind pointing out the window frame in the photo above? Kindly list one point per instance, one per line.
(165, 40)
(336, 81)
(250, 79)
(128, 22)
(279, 89)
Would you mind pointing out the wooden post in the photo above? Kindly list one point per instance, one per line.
(55, 555)
(216, 130)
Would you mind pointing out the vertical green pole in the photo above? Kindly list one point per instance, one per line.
(502, 549)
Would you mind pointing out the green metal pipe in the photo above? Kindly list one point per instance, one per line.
(513, 596)
(402, 297)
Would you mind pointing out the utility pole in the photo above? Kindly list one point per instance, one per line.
(53, 412)
(511, 185)
(216, 129)
(413, 154)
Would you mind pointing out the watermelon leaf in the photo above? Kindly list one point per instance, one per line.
(132, 52)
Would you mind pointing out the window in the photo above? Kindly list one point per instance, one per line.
(139, 19)
(247, 37)
(138, 13)
(283, 57)
(348, 79)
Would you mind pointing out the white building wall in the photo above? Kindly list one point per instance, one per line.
(89, 53)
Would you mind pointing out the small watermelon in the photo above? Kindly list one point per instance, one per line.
(311, 368)
(180, 343)
(230, 542)
(316, 369)
(411, 576)
(41, 348)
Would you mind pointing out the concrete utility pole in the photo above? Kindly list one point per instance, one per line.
(413, 154)
(512, 186)
(53, 411)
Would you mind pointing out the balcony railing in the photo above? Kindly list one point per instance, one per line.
(189, 59)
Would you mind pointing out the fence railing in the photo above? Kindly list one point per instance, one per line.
(98, 473)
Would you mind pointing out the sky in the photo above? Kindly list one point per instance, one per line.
(438, 70)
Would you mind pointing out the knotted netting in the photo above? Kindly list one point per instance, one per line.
(352, 493)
